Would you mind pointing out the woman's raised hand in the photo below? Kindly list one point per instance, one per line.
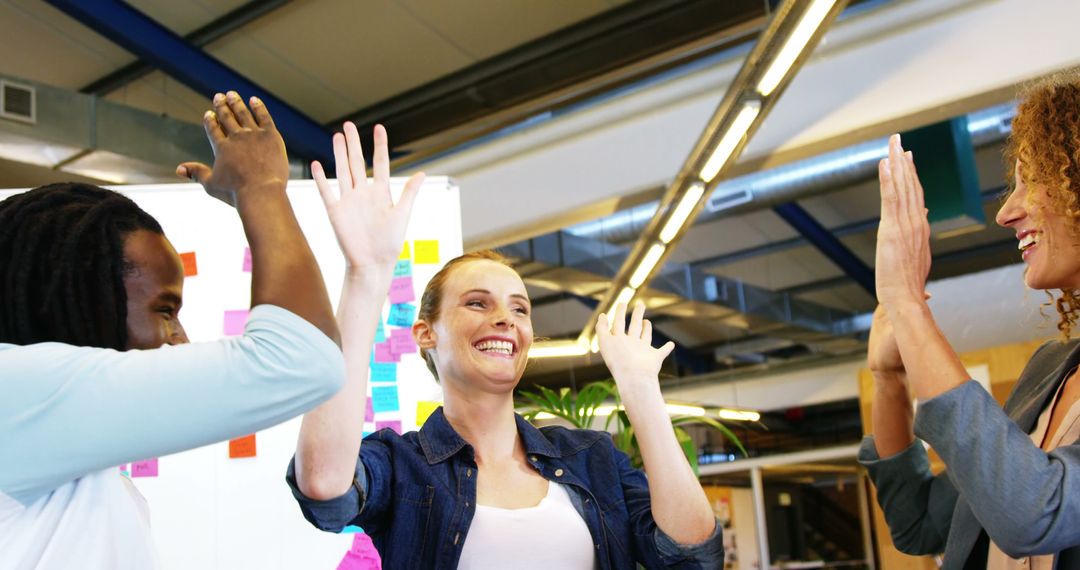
(903, 241)
(369, 227)
(628, 350)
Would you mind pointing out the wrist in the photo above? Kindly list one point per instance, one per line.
(891, 383)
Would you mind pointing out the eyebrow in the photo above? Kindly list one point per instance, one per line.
(486, 292)
(171, 298)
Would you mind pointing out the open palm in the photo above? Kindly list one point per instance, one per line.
(369, 227)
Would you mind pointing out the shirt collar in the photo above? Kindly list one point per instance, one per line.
(439, 441)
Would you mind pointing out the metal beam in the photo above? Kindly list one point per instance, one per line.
(213, 31)
(821, 238)
(162, 48)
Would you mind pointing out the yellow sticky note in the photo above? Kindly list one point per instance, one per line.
(426, 251)
(423, 410)
(404, 251)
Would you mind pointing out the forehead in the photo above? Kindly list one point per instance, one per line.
(153, 259)
(484, 274)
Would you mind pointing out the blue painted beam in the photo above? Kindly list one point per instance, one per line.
(821, 238)
(150, 41)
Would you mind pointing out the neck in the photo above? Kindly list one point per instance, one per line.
(486, 421)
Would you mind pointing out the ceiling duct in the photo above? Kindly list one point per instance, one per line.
(85, 135)
(794, 181)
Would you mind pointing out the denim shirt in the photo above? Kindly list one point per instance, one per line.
(415, 495)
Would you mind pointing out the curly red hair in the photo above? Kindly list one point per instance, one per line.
(1046, 141)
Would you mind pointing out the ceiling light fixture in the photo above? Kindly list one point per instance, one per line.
(682, 211)
(645, 266)
(794, 45)
(558, 348)
(731, 139)
(624, 297)
(738, 415)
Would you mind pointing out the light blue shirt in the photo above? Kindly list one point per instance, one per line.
(67, 411)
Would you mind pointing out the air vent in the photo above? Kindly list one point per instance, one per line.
(17, 102)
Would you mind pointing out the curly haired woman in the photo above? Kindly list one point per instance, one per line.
(1010, 496)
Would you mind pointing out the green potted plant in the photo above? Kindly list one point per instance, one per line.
(580, 409)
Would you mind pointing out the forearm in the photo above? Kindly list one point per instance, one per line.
(284, 270)
(330, 435)
(933, 368)
(892, 414)
(679, 505)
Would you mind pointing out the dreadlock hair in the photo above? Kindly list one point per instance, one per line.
(62, 265)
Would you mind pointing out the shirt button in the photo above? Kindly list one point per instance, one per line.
(532, 458)
(558, 472)
(456, 538)
(468, 472)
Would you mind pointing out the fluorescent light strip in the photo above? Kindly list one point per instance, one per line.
(730, 140)
(682, 211)
(624, 297)
(794, 45)
(557, 348)
(645, 267)
(738, 415)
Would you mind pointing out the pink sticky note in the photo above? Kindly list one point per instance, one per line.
(369, 412)
(401, 290)
(247, 260)
(401, 341)
(384, 353)
(392, 424)
(145, 468)
(362, 555)
(235, 321)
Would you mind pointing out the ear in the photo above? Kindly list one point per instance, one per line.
(424, 335)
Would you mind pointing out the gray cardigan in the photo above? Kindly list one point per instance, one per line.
(997, 484)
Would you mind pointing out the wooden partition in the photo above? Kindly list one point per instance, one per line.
(1005, 364)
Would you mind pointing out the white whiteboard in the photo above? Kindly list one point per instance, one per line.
(207, 510)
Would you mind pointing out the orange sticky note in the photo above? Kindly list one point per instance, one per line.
(190, 267)
(242, 446)
(425, 251)
(423, 410)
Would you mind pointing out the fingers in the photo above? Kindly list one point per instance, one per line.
(646, 331)
(214, 133)
(603, 328)
(196, 171)
(409, 194)
(619, 319)
(355, 154)
(240, 110)
(225, 115)
(381, 158)
(262, 114)
(319, 175)
(341, 163)
(635, 320)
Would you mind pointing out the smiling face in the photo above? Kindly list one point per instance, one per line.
(155, 289)
(481, 337)
(1047, 238)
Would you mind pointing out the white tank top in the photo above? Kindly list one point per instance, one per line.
(550, 535)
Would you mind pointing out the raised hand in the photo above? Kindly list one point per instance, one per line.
(903, 242)
(369, 227)
(249, 155)
(628, 350)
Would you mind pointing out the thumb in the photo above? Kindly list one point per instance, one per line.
(665, 350)
(196, 171)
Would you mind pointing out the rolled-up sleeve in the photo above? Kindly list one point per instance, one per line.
(917, 505)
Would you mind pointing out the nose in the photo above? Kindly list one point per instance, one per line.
(1012, 211)
(177, 335)
(501, 318)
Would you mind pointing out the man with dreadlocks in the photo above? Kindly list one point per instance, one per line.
(95, 369)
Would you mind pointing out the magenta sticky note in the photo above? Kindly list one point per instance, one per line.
(369, 411)
(401, 341)
(401, 290)
(392, 424)
(235, 321)
(145, 468)
(362, 555)
(384, 353)
(247, 260)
